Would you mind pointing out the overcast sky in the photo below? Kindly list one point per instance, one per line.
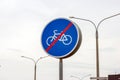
(21, 26)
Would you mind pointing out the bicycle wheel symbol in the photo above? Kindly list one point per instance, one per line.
(49, 40)
(67, 40)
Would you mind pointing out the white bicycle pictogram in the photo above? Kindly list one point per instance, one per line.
(65, 39)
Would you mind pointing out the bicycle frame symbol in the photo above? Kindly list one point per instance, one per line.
(65, 39)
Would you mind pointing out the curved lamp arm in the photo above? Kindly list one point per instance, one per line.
(28, 58)
(85, 20)
(41, 58)
(106, 19)
(96, 26)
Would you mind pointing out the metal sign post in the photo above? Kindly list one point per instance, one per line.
(60, 69)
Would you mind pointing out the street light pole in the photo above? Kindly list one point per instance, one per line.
(97, 37)
(35, 63)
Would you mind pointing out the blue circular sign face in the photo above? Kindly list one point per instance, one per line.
(61, 37)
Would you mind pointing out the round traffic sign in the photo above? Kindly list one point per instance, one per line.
(61, 38)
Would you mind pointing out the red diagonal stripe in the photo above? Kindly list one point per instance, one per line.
(53, 43)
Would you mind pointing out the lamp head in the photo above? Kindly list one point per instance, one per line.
(71, 17)
(22, 56)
